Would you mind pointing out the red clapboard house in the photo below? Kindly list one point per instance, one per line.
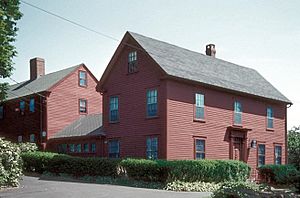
(38, 109)
(164, 101)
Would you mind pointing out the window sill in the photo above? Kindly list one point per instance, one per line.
(151, 117)
(199, 120)
(132, 73)
(238, 125)
(270, 129)
(114, 122)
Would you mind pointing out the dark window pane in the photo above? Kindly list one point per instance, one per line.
(152, 148)
(31, 105)
(200, 112)
(93, 147)
(113, 149)
(237, 118)
(1, 112)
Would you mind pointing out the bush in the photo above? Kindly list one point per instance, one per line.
(192, 186)
(208, 170)
(186, 170)
(237, 190)
(10, 164)
(146, 170)
(78, 166)
(27, 147)
(36, 161)
(279, 174)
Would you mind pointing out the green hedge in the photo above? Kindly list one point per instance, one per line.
(79, 166)
(139, 169)
(186, 170)
(37, 161)
(279, 174)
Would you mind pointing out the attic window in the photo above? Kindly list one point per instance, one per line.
(82, 79)
(132, 62)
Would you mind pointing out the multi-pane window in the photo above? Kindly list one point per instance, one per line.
(86, 148)
(22, 105)
(199, 149)
(270, 118)
(132, 62)
(72, 148)
(114, 149)
(114, 109)
(261, 154)
(199, 106)
(1, 112)
(62, 148)
(278, 154)
(237, 112)
(82, 106)
(152, 148)
(78, 148)
(32, 138)
(93, 147)
(31, 105)
(152, 103)
(82, 78)
(20, 138)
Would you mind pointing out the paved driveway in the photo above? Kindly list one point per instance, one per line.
(33, 187)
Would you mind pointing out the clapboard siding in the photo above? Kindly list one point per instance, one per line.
(181, 127)
(63, 101)
(133, 126)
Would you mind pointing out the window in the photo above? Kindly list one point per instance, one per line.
(152, 148)
(78, 148)
(86, 148)
(199, 149)
(31, 105)
(114, 109)
(237, 112)
(152, 103)
(113, 149)
(32, 138)
(261, 154)
(1, 112)
(62, 148)
(20, 138)
(22, 106)
(72, 148)
(278, 153)
(132, 62)
(82, 106)
(82, 79)
(199, 106)
(93, 147)
(270, 118)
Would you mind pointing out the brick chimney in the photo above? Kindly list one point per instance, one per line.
(37, 68)
(211, 50)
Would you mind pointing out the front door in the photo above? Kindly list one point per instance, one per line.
(238, 148)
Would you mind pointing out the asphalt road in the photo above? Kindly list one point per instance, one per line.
(32, 187)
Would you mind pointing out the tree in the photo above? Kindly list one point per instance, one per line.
(294, 146)
(9, 15)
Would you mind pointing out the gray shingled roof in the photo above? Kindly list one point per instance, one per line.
(89, 125)
(186, 64)
(40, 84)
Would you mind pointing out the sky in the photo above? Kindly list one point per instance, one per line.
(263, 35)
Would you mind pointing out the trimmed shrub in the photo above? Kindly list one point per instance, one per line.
(186, 170)
(27, 147)
(279, 174)
(37, 161)
(192, 186)
(10, 164)
(146, 170)
(78, 166)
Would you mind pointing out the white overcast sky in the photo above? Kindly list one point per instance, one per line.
(264, 35)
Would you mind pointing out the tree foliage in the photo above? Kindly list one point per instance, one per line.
(9, 15)
(294, 146)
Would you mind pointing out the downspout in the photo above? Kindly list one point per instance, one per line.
(286, 135)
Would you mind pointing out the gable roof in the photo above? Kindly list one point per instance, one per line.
(194, 66)
(43, 83)
(89, 125)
